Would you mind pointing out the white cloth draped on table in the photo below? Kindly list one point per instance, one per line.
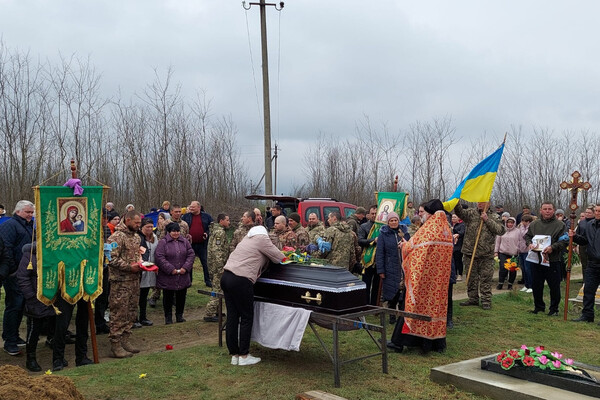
(279, 327)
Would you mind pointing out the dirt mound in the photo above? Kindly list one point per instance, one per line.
(17, 384)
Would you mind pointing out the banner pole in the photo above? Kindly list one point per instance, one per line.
(89, 303)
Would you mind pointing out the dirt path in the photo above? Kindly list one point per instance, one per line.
(149, 339)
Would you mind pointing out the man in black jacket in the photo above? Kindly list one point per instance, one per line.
(199, 223)
(15, 233)
(590, 236)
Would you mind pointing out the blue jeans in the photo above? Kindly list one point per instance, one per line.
(13, 313)
(525, 269)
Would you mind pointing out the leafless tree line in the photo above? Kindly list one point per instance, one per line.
(159, 145)
(156, 146)
(430, 161)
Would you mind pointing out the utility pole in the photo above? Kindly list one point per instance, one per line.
(266, 102)
(275, 158)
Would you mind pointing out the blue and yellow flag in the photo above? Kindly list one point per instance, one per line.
(478, 185)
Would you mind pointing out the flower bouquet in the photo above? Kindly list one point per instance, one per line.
(536, 364)
(298, 256)
(511, 264)
(535, 357)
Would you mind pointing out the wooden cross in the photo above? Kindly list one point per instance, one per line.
(575, 186)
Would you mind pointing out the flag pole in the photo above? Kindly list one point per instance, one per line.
(485, 208)
(89, 303)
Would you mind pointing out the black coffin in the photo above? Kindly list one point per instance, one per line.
(322, 288)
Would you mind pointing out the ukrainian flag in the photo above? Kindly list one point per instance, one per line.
(478, 185)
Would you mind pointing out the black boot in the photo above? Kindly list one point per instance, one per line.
(179, 318)
(31, 363)
(168, 319)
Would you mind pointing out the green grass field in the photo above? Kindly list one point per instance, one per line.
(204, 372)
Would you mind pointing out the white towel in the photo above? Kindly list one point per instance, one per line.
(279, 327)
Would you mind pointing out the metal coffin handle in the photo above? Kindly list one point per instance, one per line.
(318, 298)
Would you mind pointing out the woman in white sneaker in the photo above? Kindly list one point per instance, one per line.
(244, 266)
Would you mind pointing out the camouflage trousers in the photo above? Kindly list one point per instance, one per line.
(155, 294)
(123, 303)
(212, 306)
(480, 282)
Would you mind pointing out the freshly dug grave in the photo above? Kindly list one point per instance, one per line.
(17, 384)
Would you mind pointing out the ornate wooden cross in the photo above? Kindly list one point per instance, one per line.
(575, 186)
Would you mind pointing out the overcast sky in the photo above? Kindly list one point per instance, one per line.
(487, 64)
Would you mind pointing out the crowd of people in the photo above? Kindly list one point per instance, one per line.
(414, 263)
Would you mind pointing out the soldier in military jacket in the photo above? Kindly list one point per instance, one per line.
(480, 281)
(246, 223)
(315, 228)
(124, 283)
(339, 234)
(302, 238)
(283, 233)
(184, 228)
(218, 252)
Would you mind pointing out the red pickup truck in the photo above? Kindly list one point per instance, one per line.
(304, 206)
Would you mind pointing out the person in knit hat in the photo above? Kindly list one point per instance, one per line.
(388, 260)
(302, 239)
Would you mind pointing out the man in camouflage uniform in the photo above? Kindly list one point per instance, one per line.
(218, 252)
(356, 219)
(282, 235)
(302, 239)
(176, 217)
(342, 242)
(246, 223)
(315, 228)
(482, 271)
(124, 279)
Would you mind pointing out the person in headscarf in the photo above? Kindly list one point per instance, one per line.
(389, 262)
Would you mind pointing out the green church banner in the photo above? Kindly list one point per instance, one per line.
(386, 203)
(69, 243)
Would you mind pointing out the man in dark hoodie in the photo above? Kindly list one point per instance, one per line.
(547, 225)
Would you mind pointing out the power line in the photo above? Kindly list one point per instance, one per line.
(254, 74)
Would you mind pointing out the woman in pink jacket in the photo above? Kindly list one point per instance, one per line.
(507, 246)
(243, 267)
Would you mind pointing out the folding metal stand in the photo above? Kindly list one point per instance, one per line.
(341, 323)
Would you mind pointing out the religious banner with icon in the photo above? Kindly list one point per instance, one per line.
(386, 203)
(69, 244)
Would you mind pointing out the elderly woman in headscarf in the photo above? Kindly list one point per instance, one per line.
(388, 260)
